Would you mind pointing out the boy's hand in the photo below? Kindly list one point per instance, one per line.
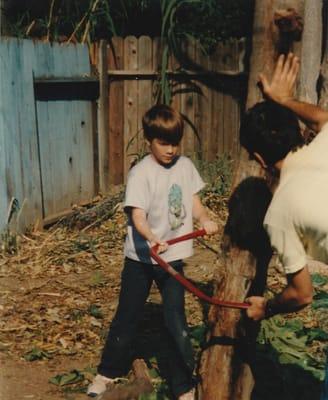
(162, 246)
(281, 88)
(210, 227)
(256, 311)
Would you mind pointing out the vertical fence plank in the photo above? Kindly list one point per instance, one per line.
(22, 174)
(103, 118)
(3, 90)
(130, 103)
(174, 65)
(227, 112)
(202, 107)
(157, 63)
(9, 133)
(188, 104)
(84, 127)
(215, 140)
(145, 100)
(220, 65)
(239, 50)
(13, 160)
(32, 211)
(65, 131)
(116, 113)
(93, 52)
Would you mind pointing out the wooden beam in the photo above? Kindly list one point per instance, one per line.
(183, 73)
(76, 88)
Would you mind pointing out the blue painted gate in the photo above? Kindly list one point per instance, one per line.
(46, 137)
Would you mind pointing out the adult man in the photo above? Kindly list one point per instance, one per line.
(297, 218)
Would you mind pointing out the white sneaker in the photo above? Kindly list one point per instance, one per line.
(188, 395)
(98, 385)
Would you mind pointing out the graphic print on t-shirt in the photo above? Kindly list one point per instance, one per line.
(177, 211)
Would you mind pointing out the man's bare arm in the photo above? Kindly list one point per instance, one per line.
(281, 90)
(296, 295)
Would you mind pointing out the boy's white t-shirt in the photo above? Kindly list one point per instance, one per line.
(166, 195)
(297, 218)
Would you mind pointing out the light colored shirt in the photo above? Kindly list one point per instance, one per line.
(166, 195)
(297, 218)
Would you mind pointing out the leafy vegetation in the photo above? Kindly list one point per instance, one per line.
(217, 174)
(291, 351)
(208, 20)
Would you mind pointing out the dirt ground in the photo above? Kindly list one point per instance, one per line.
(58, 294)
(59, 291)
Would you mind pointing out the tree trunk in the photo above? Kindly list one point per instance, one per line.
(234, 276)
(324, 67)
(310, 52)
(223, 376)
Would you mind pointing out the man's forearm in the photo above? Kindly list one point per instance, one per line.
(313, 116)
(296, 295)
(285, 302)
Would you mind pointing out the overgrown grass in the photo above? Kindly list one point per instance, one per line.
(217, 174)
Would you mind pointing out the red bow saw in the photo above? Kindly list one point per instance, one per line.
(188, 285)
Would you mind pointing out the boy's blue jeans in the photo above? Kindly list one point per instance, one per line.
(136, 282)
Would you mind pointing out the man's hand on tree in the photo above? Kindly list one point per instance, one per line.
(282, 85)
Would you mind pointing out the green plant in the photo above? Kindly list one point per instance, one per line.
(171, 38)
(217, 174)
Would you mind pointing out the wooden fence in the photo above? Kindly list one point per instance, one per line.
(208, 95)
(53, 154)
(46, 129)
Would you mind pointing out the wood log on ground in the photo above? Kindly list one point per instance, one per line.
(86, 217)
(141, 384)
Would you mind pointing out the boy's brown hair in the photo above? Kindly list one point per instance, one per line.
(164, 123)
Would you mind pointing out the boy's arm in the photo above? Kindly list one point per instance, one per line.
(281, 90)
(139, 220)
(296, 295)
(200, 214)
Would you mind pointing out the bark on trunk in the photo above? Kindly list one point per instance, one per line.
(324, 67)
(234, 276)
(311, 52)
(224, 376)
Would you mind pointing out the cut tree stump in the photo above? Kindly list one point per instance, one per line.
(141, 384)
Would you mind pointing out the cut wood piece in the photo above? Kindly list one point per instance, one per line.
(132, 390)
(140, 369)
(128, 391)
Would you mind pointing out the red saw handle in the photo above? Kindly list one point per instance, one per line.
(188, 285)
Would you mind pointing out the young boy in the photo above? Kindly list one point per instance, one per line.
(296, 220)
(161, 201)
